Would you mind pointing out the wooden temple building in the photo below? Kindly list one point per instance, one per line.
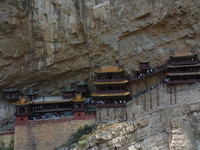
(82, 88)
(32, 107)
(78, 106)
(111, 87)
(110, 91)
(142, 72)
(68, 92)
(31, 95)
(11, 94)
(145, 70)
(183, 68)
(144, 65)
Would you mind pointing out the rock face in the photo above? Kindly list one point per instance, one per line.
(164, 127)
(49, 43)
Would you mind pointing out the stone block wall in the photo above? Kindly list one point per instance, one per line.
(46, 135)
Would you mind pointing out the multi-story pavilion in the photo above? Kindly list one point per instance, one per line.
(110, 87)
(183, 68)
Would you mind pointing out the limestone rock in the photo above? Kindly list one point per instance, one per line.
(60, 42)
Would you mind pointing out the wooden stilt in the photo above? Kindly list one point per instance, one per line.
(145, 102)
(99, 115)
(126, 114)
(170, 95)
(114, 112)
(151, 106)
(175, 93)
(158, 104)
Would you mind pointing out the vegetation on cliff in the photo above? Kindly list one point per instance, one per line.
(80, 135)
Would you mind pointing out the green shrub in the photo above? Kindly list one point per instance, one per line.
(2, 146)
(82, 142)
(80, 135)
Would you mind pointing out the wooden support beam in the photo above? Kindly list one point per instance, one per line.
(175, 94)
(158, 103)
(170, 94)
(151, 106)
(145, 103)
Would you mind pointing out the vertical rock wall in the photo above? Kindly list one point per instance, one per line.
(50, 43)
(167, 126)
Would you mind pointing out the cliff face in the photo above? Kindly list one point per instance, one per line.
(171, 125)
(47, 44)
(50, 43)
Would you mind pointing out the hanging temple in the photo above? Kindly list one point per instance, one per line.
(111, 90)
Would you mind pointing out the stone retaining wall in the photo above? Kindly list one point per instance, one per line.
(46, 135)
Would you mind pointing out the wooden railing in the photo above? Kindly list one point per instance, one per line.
(184, 62)
(82, 90)
(183, 81)
(23, 114)
(151, 72)
(145, 67)
(110, 92)
(78, 109)
(183, 71)
(39, 108)
(53, 109)
(112, 80)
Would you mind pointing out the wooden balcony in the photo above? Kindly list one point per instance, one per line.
(78, 109)
(11, 97)
(81, 90)
(52, 110)
(183, 81)
(183, 62)
(144, 67)
(23, 114)
(184, 72)
(111, 80)
(110, 92)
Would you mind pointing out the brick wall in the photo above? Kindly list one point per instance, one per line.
(46, 135)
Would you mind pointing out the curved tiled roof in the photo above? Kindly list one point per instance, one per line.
(184, 54)
(109, 69)
(114, 82)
